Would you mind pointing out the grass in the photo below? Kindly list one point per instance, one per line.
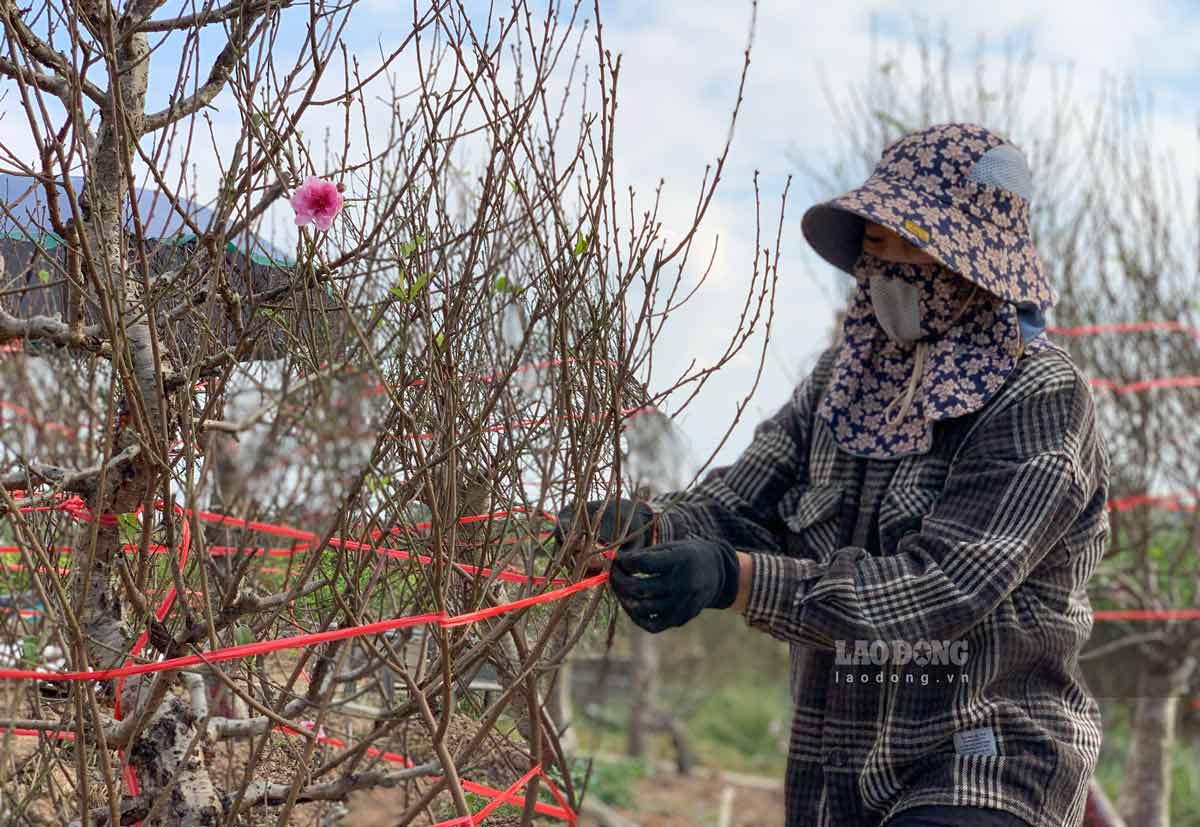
(743, 728)
(729, 686)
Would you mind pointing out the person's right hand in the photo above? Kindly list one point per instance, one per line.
(625, 524)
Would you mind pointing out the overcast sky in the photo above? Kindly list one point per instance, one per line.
(680, 64)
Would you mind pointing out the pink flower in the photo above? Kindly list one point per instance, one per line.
(317, 201)
(310, 724)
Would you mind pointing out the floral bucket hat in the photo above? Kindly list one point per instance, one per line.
(955, 191)
(960, 194)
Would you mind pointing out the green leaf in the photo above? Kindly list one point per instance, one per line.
(516, 190)
(406, 292)
(43, 276)
(377, 483)
(502, 284)
(242, 634)
(439, 339)
(419, 285)
(29, 651)
(581, 245)
(129, 527)
(409, 247)
(272, 314)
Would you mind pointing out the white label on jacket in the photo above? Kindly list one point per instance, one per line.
(980, 741)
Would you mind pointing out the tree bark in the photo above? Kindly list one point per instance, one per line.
(559, 708)
(1146, 792)
(165, 754)
(643, 693)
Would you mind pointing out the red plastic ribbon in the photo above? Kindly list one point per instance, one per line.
(1146, 384)
(1124, 327)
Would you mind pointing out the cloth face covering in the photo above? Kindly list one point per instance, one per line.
(898, 370)
(897, 306)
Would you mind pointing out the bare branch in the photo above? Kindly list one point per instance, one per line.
(218, 77)
(80, 482)
(220, 14)
(42, 52)
(264, 792)
(53, 330)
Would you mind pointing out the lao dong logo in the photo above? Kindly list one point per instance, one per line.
(901, 652)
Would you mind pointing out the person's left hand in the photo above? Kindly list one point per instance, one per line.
(667, 585)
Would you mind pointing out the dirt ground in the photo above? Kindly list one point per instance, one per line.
(695, 801)
(663, 801)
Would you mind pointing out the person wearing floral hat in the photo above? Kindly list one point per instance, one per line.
(919, 521)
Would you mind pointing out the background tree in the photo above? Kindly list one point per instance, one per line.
(413, 385)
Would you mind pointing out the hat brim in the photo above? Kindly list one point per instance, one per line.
(1001, 261)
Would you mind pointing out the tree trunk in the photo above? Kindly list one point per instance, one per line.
(165, 755)
(643, 694)
(1146, 792)
(559, 708)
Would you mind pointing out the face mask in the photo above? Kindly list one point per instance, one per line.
(897, 306)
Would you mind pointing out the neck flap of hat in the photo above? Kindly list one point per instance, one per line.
(883, 398)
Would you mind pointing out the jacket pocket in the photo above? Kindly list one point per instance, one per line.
(811, 515)
(901, 512)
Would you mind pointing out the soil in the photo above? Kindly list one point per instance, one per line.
(695, 801)
(664, 800)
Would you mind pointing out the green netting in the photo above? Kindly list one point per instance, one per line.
(48, 241)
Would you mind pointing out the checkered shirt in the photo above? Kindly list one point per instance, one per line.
(935, 605)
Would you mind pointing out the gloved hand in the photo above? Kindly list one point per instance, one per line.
(627, 520)
(667, 585)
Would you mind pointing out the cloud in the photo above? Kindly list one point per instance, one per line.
(680, 64)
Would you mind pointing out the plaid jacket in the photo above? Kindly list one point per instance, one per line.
(935, 605)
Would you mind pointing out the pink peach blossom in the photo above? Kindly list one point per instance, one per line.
(310, 724)
(318, 201)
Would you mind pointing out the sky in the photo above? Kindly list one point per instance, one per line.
(680, 65)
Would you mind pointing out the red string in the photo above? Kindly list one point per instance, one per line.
(24, 413)
(1126, 327)
(1168, 502)
(262, 647)
(508, 795)
(1147, 384)
(498, 797)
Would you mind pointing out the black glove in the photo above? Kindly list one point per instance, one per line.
(667, 585)
(626, 520)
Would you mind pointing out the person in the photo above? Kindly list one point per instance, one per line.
(919, 521)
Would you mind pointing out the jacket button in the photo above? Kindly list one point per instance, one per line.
(837, 757)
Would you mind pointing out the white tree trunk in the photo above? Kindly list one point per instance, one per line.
(643, 695)
(1146, 791)
(166, 754)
